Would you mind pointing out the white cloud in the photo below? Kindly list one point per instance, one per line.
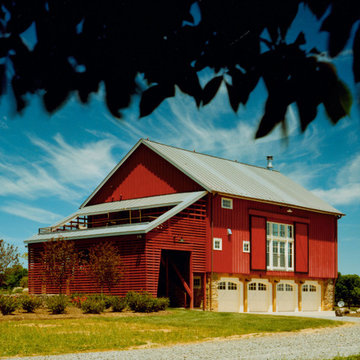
(31, 181)
(213, 129)
(30, 212)
(78, 165)
(347, 188)
(58, 169)
(345, 195)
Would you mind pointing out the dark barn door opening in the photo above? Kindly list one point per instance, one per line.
(174, 277)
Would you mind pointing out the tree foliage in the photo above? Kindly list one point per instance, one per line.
(347, 289)
(81, 44)
(105, 264)
(9, 257)
(60, 260)
(14, 276)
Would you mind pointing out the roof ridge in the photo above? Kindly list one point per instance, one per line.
(208, 155)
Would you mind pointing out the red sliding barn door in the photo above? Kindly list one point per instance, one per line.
(301, 248)
(258, 243)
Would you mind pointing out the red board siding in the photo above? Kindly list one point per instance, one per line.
(301, 248)
(258, 243)
(190, 226)
(231, 259)
(144, 174)
(322, 230)
(132, 251)
(140, 256)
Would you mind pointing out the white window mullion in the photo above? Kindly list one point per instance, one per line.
(279, 247)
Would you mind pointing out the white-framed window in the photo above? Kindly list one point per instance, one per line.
(309, 288)
(246, 246)
(284, 287)
(226, 203)
(232, 286)
(197, 282)
(280, 287)
(222, 285)
(252, 286)
(261, 287)
(279, 246)
(217, 244)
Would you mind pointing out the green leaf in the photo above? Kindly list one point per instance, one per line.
(233, 98)
(211, 89)
(153, 97)
(338, 102)
(275, 110)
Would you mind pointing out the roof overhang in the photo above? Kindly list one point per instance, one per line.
(181, 202)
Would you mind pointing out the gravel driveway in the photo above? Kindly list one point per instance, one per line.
(308, 344)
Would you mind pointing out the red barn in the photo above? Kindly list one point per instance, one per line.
(206, 232)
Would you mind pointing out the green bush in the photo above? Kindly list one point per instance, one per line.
(93, 305)
(161, 304)
(57, 304)
(30, 303)
(8, 304)
(145, 302)
(24, 281)
(118, 304)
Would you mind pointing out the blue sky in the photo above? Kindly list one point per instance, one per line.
(50, 164)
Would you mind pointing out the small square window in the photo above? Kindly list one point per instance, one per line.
(197, 282)
(226, 203)
(261, 287)
(232, 286)
(246, 246)
(252, 286)
(217, 244)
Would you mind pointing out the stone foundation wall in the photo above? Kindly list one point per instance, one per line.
(328, 295)
(212, 305)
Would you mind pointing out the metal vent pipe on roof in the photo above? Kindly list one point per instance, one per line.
(269, 162)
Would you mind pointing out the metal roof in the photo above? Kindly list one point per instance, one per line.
(181, 202)
(233, 178)
(133, 204)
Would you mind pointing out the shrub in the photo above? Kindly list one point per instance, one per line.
(145, 302)
(30, 303)
(8, 304)
(57, 304)
(77, 300)
(93, 306)
(118, 304)
(24, 281)
(161, 304)
(101, 297)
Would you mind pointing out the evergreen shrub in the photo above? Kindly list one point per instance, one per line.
(30, 303)
(93, 305)
(8, 304)
(57, 304)
(118, 304)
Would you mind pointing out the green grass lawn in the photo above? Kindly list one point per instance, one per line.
(58, 336)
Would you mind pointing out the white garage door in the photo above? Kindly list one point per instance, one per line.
(229, 296)
(285, 297)
(310, 297)
(258, 296)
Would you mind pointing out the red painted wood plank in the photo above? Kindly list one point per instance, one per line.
(258, 243)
